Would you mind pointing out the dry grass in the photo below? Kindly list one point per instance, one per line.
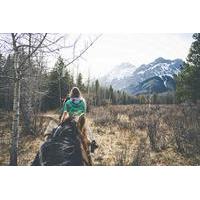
(129, 135)
(143, 135)
(28, 145)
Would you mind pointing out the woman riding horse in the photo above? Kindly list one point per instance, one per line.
(75, 106)
(68, 144)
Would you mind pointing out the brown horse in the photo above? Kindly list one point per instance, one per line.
(67, 145)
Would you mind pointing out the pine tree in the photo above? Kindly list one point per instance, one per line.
(59, 67)
(124, 98)
(60, 83)
(154, 98)
(188, 81)
(80, 84)
(6, 85)
(111, 94)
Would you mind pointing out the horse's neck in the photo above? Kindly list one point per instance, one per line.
(52, 124)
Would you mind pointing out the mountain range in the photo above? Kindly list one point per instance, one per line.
(155, 77)
(154, 84)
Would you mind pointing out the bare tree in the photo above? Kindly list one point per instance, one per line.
(28, 45)
(25, 47)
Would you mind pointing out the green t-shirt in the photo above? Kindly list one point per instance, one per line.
(75, 106)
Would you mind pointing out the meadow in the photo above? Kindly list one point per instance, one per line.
(147, 135)
(127, 135)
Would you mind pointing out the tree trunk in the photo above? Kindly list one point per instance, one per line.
(26, 108)
(27, 114)
(16, 111)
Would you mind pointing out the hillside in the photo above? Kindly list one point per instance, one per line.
(152, 85)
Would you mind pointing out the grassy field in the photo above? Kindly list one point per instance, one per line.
(143, 135)
(128, 135)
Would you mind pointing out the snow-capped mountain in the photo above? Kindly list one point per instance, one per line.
(118, 75)
(153, 85)
(159, 67)
(133, 76)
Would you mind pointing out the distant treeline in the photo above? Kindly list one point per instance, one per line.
(43, 90)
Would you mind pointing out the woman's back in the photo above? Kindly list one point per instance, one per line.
(75, 106)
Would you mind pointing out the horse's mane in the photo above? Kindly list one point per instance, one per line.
(64, 146)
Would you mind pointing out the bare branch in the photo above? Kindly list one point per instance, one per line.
(31, 54)
(77, 57)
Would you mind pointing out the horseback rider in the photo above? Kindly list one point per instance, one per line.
(76, 106)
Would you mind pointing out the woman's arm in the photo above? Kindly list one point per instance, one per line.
(65, 113)
(84, 105)
(64, 116)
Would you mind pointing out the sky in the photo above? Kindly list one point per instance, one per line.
(113, 49)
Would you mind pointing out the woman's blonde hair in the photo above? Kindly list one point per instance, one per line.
(75, 92)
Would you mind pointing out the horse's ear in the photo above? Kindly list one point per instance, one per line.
(81, 121)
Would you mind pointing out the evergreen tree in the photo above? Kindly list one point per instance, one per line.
(6, 84)
(124, 98)
(154, 98)
(69, 80)
(80, 84)
(142, 99)
(188, 81)
(59, 85)
(110, 93)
